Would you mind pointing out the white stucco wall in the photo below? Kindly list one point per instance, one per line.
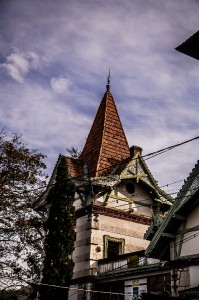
(140, 201)
(191, 239)
(140, 196)
(81, 254)
(194, 276)
(90, 232)
(131, 232)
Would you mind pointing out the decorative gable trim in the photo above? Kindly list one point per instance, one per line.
(138, 170)
(42, 201)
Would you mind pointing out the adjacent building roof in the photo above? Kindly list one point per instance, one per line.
(187, 199)
(190, 46)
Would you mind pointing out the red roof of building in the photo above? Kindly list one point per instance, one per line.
(106, 144)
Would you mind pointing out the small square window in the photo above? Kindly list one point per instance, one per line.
(113, 249)
(113, 246)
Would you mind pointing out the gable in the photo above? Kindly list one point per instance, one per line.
(138, 170)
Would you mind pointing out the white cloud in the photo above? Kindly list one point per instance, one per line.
(61, 84)
(18, 64)
(34, 60)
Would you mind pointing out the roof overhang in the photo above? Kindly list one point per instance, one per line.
(190, 46)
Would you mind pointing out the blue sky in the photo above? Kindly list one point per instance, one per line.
(54, 61)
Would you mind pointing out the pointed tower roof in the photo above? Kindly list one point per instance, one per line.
(106, 161)
(106, 144)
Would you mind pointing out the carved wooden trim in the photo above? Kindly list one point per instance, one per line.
(121, 215)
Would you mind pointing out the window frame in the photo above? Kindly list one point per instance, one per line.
(108, 238)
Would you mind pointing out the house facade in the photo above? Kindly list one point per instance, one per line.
(116, 197)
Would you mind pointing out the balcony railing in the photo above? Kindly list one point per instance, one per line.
(124, 262)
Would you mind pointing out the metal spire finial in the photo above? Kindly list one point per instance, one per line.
(108, 81)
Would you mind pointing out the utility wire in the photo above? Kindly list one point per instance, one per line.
(135, 195)
(152, 154)
(77, 289)
(188, 238)
(173, 146)
(145, 199)
(147, 204)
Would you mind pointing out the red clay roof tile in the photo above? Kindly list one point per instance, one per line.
(106, 140)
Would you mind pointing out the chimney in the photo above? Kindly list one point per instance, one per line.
(134, 150)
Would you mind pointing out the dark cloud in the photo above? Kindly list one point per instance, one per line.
(55, 58)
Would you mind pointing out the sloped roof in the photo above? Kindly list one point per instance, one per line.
(185, 202)
(106, 144)
(75, 166)
(190, 46)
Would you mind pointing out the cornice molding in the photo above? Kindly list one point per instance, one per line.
(101, 210)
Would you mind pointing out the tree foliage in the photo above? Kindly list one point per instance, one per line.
(22, 179)
(73, 152)
(59, 242)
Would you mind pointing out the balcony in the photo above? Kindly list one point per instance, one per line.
(124, 262)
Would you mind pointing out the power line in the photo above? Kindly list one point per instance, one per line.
(155, 153)
(135, 195)
(188, 238)
(174, 182)
(77, 289)
(145, 199)
(158, 152)
(171, 147)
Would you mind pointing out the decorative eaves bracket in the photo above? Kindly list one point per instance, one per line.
(179, 217)
(169, 235)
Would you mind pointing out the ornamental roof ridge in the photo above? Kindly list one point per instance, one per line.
(187, 183)
(138, 162)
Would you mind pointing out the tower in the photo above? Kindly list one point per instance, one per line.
(116, 196)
